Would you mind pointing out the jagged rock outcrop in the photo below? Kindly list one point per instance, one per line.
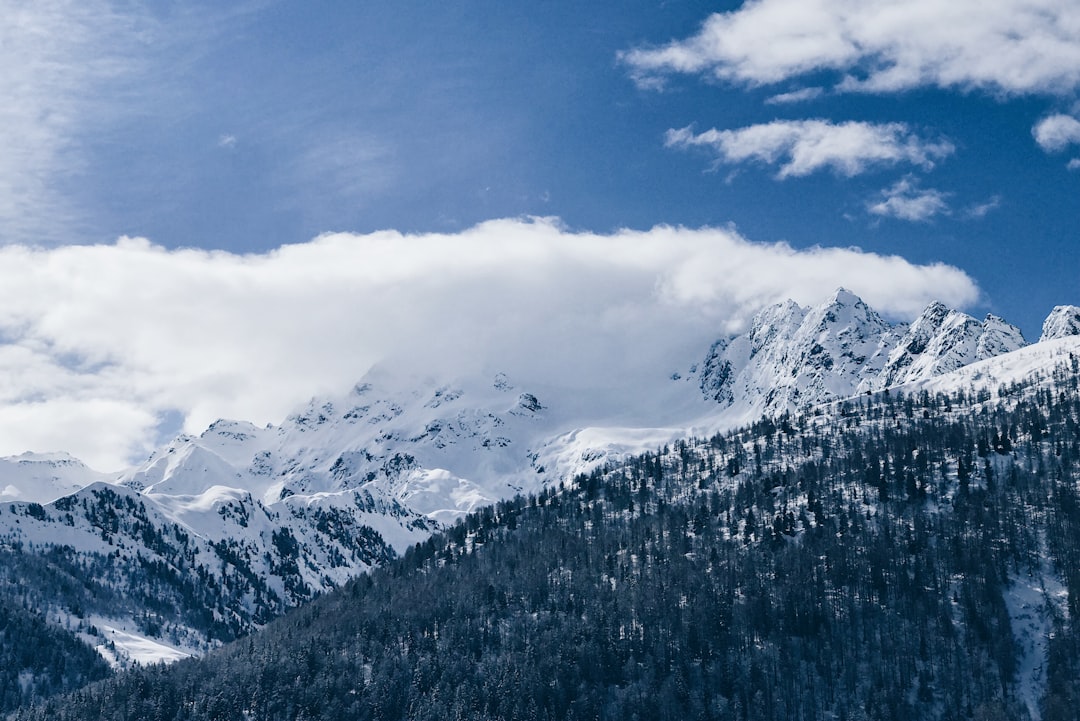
(794, 357)
(942, 340)
(1063, 321)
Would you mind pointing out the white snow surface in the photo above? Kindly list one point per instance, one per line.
(1034, 362)
(794, 358)
(120, 645)
(1034, 600)
(42, 477)
(942, 340)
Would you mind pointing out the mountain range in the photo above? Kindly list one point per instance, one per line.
(214, 535)
(905, 553)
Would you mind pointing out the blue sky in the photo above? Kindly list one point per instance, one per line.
(272, 123)
(940, 133)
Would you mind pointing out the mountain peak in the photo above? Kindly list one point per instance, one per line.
(935, 309)
(843, 296)
(847, 313)
(793, 357)
(998, 337)
(1063, 321)
(53, 458)
(42, 477)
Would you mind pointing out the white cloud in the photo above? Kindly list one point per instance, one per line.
(906, 201)
(1056, 132)
(1007, 46)
(795, 96)
(981, 210)
(1073, 164)
(100, 342)
(802, 147)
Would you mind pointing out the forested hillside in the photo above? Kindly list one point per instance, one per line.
(46, 660)
(892, 557)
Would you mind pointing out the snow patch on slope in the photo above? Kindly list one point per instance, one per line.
(1034, 600)
(1034, 362)
(121, 646)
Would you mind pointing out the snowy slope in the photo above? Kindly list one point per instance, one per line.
(210, 565)
(42, 477)
(1038, 363)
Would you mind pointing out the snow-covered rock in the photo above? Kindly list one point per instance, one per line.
(1063, 321)
(942, 340)
(792, 357)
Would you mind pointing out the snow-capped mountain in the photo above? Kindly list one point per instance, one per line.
(793, 358)
(221, 531)
(43, 477)
(942, 340)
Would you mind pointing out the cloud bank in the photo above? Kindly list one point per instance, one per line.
(1011, 47)
(802, 147)
(100, 342)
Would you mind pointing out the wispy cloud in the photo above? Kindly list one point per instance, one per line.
(59, 62)
(1056, 132)
(76, 75)
(1073, 164)
(103, 341)
(795, 96)
(802, 147)
(351, 165)
(1009, 46)
(905, 200)
(981, 210)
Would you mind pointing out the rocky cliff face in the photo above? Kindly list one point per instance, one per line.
(793, 357)
(1062, 322)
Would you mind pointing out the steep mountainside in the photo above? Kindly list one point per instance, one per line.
(910, 554)
(793, 358)
(215, 534)
(940, 341)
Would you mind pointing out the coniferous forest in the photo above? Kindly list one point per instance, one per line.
(861, 562)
